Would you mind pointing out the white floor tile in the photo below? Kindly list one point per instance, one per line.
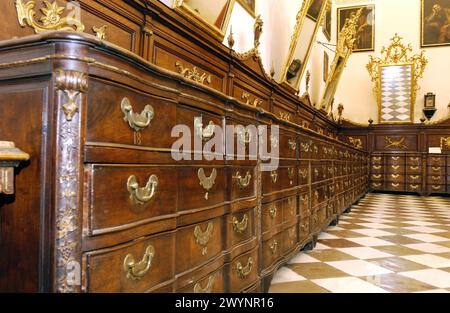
(371, 242)
(365, 253)
(285, 275)
(429, 260)
(427, 237)
(373, 232)
(428, 247)
(303, 258)
(359, 268)
(434, 277)
(348, 285)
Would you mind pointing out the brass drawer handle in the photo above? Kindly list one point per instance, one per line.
(304, 198)
(395, 167)
(305, 147)
(273, 212)
(142, 195)
(304, 227)
(207, 182)
(376, 176)
(243, 182)
(273, 247)
(316, 195)
(414, 159)
(244, 135)
(316, 172)
(292, 206)
(376, 159)
(414, 177)
(206, 133)
(274, 176)
(414, 186)
(436, 187)
(395, 158)
(395, 176)
(436, 177)
(136, 121)
(395, 185)
(241, 226)
(273, 141)
(10, 157)
(136, 270)
(303, 173)
(376, 185)
(375, 167)
(202, 237)
(244, 271)
(330, 170)
(436, 169)
(209, 287)
(414, 168)
(290, 171)
(292, 144)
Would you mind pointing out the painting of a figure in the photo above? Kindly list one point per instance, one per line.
(435, 23)
(365, 36)
(249, 5)
(327, 23)
(314, 9)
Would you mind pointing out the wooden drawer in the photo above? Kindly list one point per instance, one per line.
(243, 271)
(139, 266)
(304, 230)
(245, 139)
(272, 250)
(188, 65)
(212, 283)
(395, 169)
(436, 160)
(377, 160)
(377, 169)
(242, 182)
(119, 196)
(435, 188)
(414, 160)
(319, 171)
(395, 178)
(315, 226)
(305, 148)
(436, 180)
(288, 145)
(271, 181)
(240, 226)
(202, 187)
(395, 186)
(202, 126)
(289, 176)
(289, 209)
(304, 204)
(118, 115)
(289, 238)
(377, 177)
(414, 179)
(414, 169)
(414, 187)
(303, 173)
(198, 243)
(272, 215)
(436, 170)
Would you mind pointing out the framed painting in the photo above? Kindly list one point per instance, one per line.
(365, 36)
(435, 23)
(249, 6)
(315, 9)
(327, 20)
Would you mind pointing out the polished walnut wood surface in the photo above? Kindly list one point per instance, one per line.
(103, 191)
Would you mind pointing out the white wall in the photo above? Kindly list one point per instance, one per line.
(355, 89)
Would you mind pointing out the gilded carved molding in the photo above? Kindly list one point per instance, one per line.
(70, 86)
(193, 74)
(392, 143)
(445, 143)
(51, 18)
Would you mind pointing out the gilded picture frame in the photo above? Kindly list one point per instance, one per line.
(326, 66)
(434, 23)
(365, 36)
(215, 28)
(249, 6)
(327, 20)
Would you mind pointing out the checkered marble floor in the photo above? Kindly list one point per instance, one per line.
(388, 243)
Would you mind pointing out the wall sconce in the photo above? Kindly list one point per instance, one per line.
(430, 105)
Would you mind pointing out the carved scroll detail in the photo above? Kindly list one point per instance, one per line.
(193, 74)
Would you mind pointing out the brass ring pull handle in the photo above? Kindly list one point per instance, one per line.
(244, 271)
(274, 176)
(202, 237)
(244, 135)
(273, 212)
(241, 226)
(209, 287)
(273, 247)
(145, 194)
(10, 157)
(136, 270)
(292, 144)
(243, 182)
(137, 121)
(206, 133)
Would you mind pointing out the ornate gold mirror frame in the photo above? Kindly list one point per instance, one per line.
(395, 77)
(344, 49)
(289, 65)
(194, 15)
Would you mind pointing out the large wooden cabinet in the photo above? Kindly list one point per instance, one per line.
(103, 205)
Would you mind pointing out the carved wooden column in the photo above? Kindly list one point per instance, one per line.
(71, 86)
